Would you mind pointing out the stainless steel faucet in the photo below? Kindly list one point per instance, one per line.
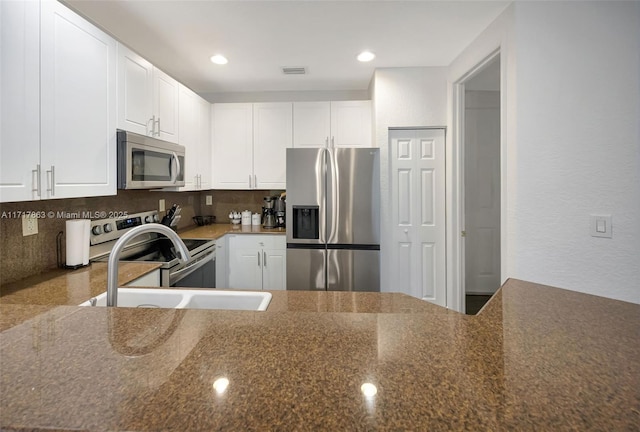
(112, 266)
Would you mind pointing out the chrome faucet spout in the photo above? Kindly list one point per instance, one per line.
(112, 266)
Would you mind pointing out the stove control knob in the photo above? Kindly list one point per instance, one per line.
(148, 219)
(107, 228)
(96, 230)
(156, 219)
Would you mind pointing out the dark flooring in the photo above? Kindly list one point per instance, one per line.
(475, 302)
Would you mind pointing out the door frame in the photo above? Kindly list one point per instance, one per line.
(456, 283)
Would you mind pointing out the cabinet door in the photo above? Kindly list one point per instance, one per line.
(222, 268)
(232, 145)
(165, 102)
(78, 108)
(135, 92)
(189, 136)
(245, 262)
(274, 269)
(351, 124)
(204, 139)
(311, 124)
(20, 100)
(272, 135)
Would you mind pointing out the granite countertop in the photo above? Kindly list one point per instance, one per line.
(535, 358)
(215, 231)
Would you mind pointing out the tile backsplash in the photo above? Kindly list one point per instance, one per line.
(21, 257)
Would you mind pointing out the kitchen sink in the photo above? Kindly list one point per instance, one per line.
(187, 299)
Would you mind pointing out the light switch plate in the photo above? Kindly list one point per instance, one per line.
(209, 200)
(161, 205)
(29, 225)
(601, 226)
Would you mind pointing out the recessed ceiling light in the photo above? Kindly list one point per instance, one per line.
(366, 56)
(219, 59)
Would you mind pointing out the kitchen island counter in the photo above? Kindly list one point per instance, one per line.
(535, 358)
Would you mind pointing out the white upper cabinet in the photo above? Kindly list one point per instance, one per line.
(311, 124)
(19, 100)
(194, 125)
(272, 135)
(135, 90)
(204, 159)
(78, 107)
(249, 145)
(332, 124)
(58, 138)
(165, 104)
(232, 148)
(351, 124)
(147, 98)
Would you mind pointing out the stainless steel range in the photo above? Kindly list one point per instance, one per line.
(198, 272)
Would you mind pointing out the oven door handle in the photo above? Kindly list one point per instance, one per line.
(191, 267)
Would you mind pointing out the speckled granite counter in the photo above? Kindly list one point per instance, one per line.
(215, 231)
(536, 358)
(67, 287)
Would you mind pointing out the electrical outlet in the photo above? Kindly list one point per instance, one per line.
(209, 200)
(161, 205)
(29, 225)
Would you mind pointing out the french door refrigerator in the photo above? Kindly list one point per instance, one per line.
(333, 219)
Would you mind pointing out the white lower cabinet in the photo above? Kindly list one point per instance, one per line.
(257, 262)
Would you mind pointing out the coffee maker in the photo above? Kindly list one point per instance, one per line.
(268, 212)
(280, 207)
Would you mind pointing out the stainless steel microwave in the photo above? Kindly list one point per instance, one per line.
(148, 163)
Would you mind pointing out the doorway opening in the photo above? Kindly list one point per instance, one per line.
(480, 179)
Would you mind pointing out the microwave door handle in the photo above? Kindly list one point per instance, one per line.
(175, 173)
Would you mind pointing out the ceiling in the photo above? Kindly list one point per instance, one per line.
(261, 37)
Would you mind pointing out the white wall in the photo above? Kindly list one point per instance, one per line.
(578, 138)
(571, 141)
(403, 97)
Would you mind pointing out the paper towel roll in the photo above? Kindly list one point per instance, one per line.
(77, 242)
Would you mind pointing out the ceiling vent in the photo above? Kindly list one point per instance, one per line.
(294, 70)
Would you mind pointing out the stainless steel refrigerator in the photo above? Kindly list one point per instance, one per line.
(333, 219)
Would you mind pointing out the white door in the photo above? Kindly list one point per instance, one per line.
(232, 145)
(482, 192)
(418, 206)
(272, 135)
(78, 107)
(165, 101)
(135, 92)
(19, 100)
(311, 124)
(351, 124)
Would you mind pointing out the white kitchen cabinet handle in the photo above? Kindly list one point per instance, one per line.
(333, 144)
(264, 255)
(153, 126)
(258, 259)
(326, 142)
(249, 181)
(255, 181)
(158, 132)
(37, 183)
(52, 179)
